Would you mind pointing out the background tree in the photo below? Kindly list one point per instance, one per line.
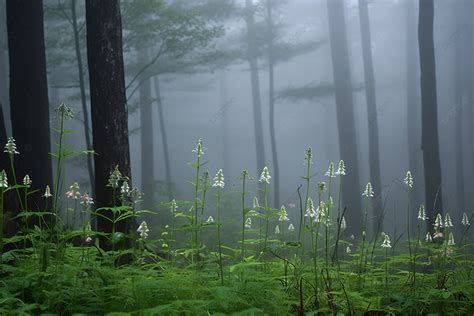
(373, 126)
(429, 111)
(345, 109)
(412, 101)
(108, 101)
(29, 93)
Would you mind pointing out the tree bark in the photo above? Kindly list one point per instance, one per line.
(29, 95)
(146, 134)
(271, 103)
(82, 87)
(429, 111)
(345, 112)
(373, 129)
(108, 101)
(252, 55)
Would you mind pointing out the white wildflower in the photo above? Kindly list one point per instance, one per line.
(73, 192)
(199, 150)
(409, 179)
(331, 172)
(343, 223)
(87, 200)
(369, 192)
(386, 242)
(291, 228)
(114, 178)
(451, 240)
(219, 179)
(248, 223)
(447, 221)
(283, 214)
(27, 181)
(210, 220)
(143, 230)
(422, 213)
(265, 176)
(428, 237)
(348, 250)
(438, 221)
(277, 230)
(173, 206)
(10, 146)
(465, 220)
(255, 203)
(341, 170)
(3, 179)
(47, 192)
(125, 188)
(310, 210)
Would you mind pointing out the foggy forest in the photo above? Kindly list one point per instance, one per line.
(236, 157)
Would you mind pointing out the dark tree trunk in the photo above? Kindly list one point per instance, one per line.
(146, 134)
(252, 55)
(373, 128)
(4, 96)
(429, 111)
(412, 103)
(345, 112)
(108, 101)
(82, 87)
(271, 102)
(29, 94)
(164, 139)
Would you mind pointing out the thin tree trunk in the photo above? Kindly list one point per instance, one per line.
(458, 102)
(108, 102)
(82, 87)
(29, 94)
(469, 87)
(374, 158)
(412, 104)
(271, 101)
(224, 104)
(164, 139)
(252, 55)
(429, 111)
(146, 135)
(345, 112)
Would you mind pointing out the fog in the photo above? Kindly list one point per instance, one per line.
(213, 101)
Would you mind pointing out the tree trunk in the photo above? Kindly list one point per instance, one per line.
(108, 101)
(164, 139)
(252, 55)
(29, 95)
(146, 134)
(429, 112)
(469, 86)
(271, 102)
(4, 96)
(373, 129)
(458, 134)
(345, 112)
(412, 104)
(82, 87)
(224, 107)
